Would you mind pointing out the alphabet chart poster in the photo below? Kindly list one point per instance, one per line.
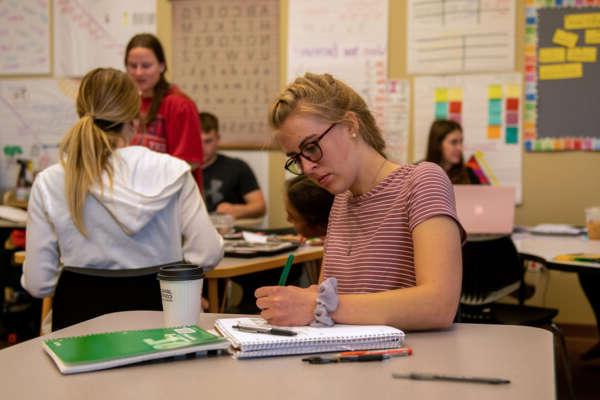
(226, 57)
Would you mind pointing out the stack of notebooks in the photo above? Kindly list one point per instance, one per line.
(106, 350)
(307, 339)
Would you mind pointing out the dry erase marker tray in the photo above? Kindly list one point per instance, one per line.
(244, 249)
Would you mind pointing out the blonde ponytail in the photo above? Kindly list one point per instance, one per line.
(105, 95)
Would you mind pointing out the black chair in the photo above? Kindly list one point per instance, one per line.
(84, 294)
(493, 269)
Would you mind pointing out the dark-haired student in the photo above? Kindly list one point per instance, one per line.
(307, 206)
(445, 148)
(169, 119)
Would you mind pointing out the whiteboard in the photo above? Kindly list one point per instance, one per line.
(24, 37)
(460, 36)
(90, 34)
(478, 95)
(35, 115)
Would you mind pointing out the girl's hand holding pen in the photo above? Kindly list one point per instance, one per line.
(287, 305)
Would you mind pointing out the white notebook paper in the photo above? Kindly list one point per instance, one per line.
(308, 339)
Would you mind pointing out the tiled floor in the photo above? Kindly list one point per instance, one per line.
(585, 374)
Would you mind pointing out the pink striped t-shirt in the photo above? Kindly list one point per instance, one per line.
(369, 245)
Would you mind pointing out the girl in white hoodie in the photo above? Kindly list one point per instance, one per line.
(108, 210)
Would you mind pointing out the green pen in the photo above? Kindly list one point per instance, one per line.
(588, 260)
(286, 270)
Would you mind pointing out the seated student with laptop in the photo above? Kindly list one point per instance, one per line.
(111, 212)
(445, 148)
(393, 240)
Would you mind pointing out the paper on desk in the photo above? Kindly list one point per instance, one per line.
(252, 237)
(555, 229)
(13, 214)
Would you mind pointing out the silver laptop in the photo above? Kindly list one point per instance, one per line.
(485, 210)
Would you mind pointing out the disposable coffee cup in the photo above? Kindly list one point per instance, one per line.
(181, 292)
(592, 222)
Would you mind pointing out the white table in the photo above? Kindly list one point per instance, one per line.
(522, 354)
(544, 248)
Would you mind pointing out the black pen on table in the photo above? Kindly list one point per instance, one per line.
(268, 331)
(450, 378)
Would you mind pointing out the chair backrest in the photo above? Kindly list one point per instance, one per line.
(492, 268)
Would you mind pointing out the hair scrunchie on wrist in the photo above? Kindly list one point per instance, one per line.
(327, 302)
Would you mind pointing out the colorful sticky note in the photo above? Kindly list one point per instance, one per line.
(512, 104)
(552, 54)
(512, 135)
(582, 21)
(582, 54)
(512, 91)
(455, 107)
(455, 118)
(592, 36)
(561, 71)
(564, 38)
(495, 119)
(495, 106)
(512, 118)
(455, 94)
(495, 91)
(493, 132)
(441, 110)
(441, 94)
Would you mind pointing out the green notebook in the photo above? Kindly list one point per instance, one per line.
(106, 350)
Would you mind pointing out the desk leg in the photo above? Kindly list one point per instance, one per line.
(213, 295)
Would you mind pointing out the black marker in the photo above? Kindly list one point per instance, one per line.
(450, 378)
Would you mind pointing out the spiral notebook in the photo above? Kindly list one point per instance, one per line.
(308, 339)
(111, 349)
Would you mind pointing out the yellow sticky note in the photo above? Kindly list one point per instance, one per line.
(561, 71)
(564, 38)
(455, 94)
(493, 132)
(551, 55)
(441, 94)
(582, 54)
(495, 91)
(513, 91)
(582, 21)
(592, 36)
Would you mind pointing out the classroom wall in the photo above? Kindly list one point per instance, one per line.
(556, 186)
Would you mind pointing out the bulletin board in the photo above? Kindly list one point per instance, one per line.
(562, 78)
(226, 57)
(488, 108)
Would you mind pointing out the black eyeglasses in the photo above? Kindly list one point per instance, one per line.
(309, 150)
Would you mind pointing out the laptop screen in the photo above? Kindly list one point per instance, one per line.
(485, 209)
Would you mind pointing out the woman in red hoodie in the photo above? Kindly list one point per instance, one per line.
(169, 119)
